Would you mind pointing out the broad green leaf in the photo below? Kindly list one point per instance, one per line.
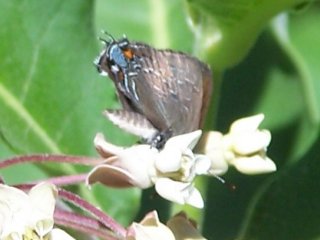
(226, 30)
(305, 37)
(288, 207)
(22, 173)
(121, 203)
(280, 79)
(269, 81)
(264, 82)
(162, 24)
(51, 96)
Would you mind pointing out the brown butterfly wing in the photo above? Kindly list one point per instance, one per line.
(171, 89)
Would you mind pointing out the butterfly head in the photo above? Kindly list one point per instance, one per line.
(114, 59)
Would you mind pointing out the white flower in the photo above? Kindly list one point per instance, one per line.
(149, 228)
(214, 149)
(179, 192)
(244, 147)
(172, 169)
(124, 167)
(28, 216)
(177, 228)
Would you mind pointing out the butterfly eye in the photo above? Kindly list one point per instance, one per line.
(123, 43)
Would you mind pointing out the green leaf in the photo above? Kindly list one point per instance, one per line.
(50, 95)
(288, 208)
(161, 24)
(269, 80)
(305, 37)
(226, 30)
(263, 80)
(121, 203)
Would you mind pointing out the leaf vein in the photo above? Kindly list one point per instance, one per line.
(12, 102)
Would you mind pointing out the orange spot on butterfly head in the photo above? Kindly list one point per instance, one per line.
(128, 53)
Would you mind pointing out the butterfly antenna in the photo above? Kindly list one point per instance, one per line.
(109, 35)
(104, 41)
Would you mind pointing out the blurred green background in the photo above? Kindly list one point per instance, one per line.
(51, 98)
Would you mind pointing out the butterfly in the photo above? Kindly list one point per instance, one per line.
(163, 93)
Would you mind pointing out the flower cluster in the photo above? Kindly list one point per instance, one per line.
(29, 216)
(244, 147)
(178, 227)
(173, 169)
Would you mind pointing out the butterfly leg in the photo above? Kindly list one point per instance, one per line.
(160, 138)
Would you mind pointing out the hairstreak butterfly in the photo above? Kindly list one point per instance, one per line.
(163, 92)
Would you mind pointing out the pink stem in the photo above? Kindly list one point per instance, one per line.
(82, 223)
(58, 181)
(51, 158)
(101, 216)
(64, 180)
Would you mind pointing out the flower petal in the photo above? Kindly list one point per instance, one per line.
(254, 165)
(249, 143)
(115, 177)
(149, 228)
(188, 140)
(13, 197)
(33, 211)
(193, 197)
(215, 151)
(42, 201)
(183, 229)
(202, 164)
(132, 166)
(248, 124)
(151, 219)
(139, 232)
(58, 234)
(179, 192)
(169, 160)
(105, 148)
(14, 211)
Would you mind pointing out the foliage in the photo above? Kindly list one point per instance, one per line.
(51, 97)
